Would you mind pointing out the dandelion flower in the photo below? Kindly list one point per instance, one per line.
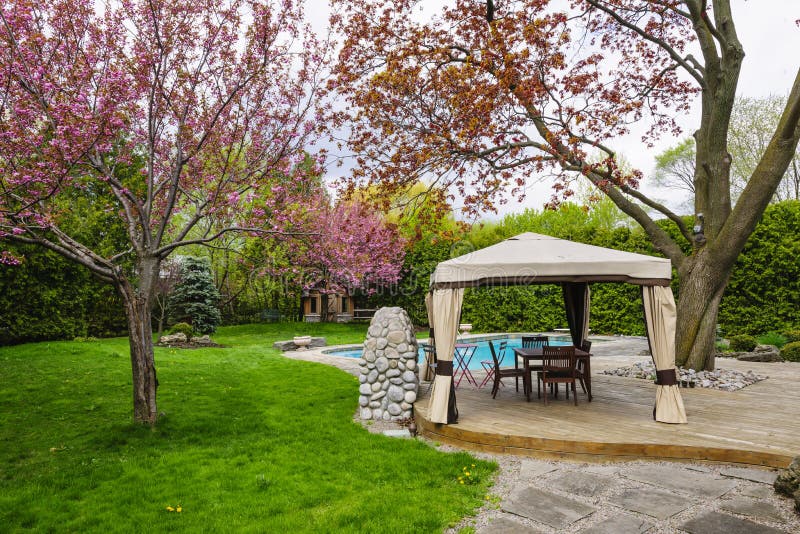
(462, 481)
(467, 473)
(179, 510)
(170, 509)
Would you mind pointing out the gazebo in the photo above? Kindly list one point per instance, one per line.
(540, 259)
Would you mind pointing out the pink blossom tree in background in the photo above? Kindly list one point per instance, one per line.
(206, 101)
(357, 250)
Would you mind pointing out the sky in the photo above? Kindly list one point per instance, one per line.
(771, 41)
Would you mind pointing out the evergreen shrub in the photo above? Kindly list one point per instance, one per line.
(195, 297)
(182, 328)
(791, 352)
(742, 343)
(792, 335)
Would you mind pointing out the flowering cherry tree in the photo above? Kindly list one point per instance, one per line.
(486, 94)
(356, 250)
(206, 101)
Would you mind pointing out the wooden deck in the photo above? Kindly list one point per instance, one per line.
(758, 425)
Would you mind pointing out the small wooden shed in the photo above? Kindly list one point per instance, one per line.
(324, 306)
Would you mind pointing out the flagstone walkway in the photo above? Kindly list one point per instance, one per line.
(634, 497)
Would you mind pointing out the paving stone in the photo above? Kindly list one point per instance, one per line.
(581, 483)
(679, 479)
(620, 524)
(718, 523)
(531, 469)
(751, 508)
(755, 475)
(397, 433)
(651, 501)
(504, 525)
(545, 507)
(759, 491)
(698, 468)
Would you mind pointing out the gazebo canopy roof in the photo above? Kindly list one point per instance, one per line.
(541, 259)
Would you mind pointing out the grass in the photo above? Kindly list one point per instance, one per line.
(249, 442)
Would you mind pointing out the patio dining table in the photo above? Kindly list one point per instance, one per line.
(536, 354)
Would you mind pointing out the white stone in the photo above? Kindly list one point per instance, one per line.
(363, 400)
(409, 386)
(393, 364)
(386, 416)
(366, 413)
(376, 387)
(394, 409)
(408, 376)
(391, 373)
(396, 381)
(395, 337)
(411, 365)
(410, 396)
(405, 406)
(368, 356)
(396, 394)
(381, 364)
(375, 404)
(377, 414)
(381, 344)
(378, 396)
(362, 378)
(369, 344)
(402, 347)
(365, 389)
(372, 376)
(391, 353)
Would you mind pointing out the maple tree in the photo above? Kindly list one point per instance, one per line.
(485, 94)
(164, 113)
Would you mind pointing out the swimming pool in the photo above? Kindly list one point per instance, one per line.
(481, 353)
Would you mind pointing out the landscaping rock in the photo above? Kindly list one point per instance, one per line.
(392, 346)
(788, 482)
(284, 346)
(651, 501)
(178, 337)
(723, 379)
(762, 353)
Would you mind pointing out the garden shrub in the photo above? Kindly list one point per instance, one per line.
(772, 338)
(792, 335)
(182, 328)
(791, 352)
(195, 297)
(742, 343)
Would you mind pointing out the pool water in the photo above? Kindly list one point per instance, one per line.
(481, 353)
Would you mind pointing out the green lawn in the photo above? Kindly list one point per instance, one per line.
(249, 442)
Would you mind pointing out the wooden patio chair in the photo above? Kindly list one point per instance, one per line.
(532, 342)
(499, 372)
(558, 367)
(580, 365)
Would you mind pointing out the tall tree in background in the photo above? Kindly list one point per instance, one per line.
(486, 94)
(207, 101)
(753, 121)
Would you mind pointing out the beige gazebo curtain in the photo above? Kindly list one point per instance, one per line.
(446, 306)
(659, 312)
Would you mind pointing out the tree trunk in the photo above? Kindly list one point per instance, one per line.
(701, 292)
(137, 310)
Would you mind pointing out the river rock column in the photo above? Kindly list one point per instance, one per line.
(388, 363)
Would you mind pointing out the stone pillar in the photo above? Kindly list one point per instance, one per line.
(388, 376)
